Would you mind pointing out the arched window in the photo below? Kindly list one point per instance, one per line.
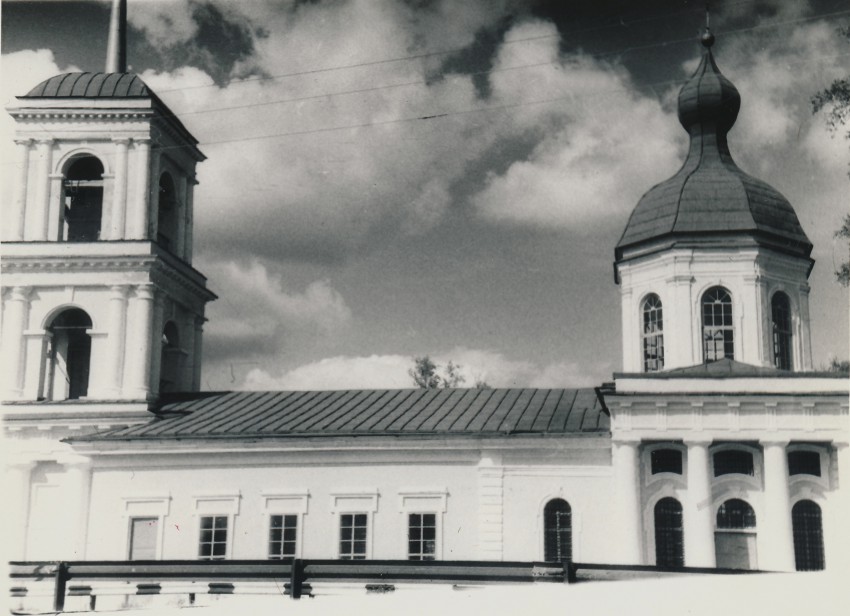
(732, 461)
(735, 538)
(808, 536)
(82, 200)
(717, 329)
(652, 334)
(169, 367)
(780, 310)
(68, 356)
(669, 534)
(557, 531)
(166, 234)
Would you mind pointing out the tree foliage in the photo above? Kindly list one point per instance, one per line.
(426, 375)
(834, 103)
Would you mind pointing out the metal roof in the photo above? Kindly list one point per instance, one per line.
(710, 194)
(91, 85)
(399, 412)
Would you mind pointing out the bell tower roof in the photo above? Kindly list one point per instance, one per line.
(91, 85)
(710, 195)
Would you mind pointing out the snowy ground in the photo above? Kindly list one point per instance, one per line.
(774, 595)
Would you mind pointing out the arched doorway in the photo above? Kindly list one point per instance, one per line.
(669, 534)
(735, 535)
(557, 531)
(807, 522)
(82, 201)
(68, 356)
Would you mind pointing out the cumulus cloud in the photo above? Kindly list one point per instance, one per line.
(593, 160)
(391, 371)
(257, 317)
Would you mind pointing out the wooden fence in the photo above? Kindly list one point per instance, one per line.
(290, 577)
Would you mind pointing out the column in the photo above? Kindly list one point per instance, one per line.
(141, 207)
(805, 331)
(836, 530)
(55, 214)
(190, 217)
(777, 544)
(14, 322)
(680, 330)
(698, 518)
(156, 345)
(119, 196)
(18, 476)
(78, 471)
(19, 197)
(196, 356)
(117, 324)
(138, 355)
(180, 244)
(44, 151)
(627, 476)
(491, 477)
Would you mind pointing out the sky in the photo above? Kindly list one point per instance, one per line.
(391, 179)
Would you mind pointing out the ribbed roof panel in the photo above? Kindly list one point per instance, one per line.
(91, 85)
(235, 415)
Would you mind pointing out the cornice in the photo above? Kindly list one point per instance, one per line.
(82, 114)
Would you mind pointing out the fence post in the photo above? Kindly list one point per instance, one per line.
(295, 579)
(59, 589)
(572, 572)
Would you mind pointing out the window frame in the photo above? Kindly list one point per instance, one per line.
(777, 334)
(654, 523)
(225, 504)
(423, 501)
(64, 229)
(344, 502)
(704, 327)
(228, 536)
(288, 502)
(145, 506)
(367, 541)
(656, 316)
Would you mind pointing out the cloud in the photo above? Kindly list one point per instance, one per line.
(258, 318)
(391, 372)
(592, 160)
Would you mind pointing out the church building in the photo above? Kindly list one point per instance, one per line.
(717, 446)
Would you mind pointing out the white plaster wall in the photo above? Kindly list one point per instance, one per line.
(109, 527)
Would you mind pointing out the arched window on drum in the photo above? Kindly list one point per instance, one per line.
(780, 310)
(652, 334)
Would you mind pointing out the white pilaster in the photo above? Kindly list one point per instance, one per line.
(190, 218)
(140, 220)
(18, 476)
(626, 472)
(41, 205)
(491, 477)
(119, 196)
(14, 323)
(196, 355)
(679, 326)
(778, 552)
(138, 356)
(19, 198)
(116, 336)
(79, 481)
(805, 331)
(836, 554)
(698, 518)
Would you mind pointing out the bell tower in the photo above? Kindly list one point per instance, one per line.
(100, 299)
(713, 263)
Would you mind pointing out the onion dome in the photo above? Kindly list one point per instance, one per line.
(91, 85)
(710, 195)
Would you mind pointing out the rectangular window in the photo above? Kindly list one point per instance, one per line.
(283, 531)
(213, 542)
(422, 536)
(144, 533)
(353, 529)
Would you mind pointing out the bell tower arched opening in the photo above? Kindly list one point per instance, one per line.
(68, 356)
(82, 200)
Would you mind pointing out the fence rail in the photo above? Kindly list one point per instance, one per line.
(292, 576)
